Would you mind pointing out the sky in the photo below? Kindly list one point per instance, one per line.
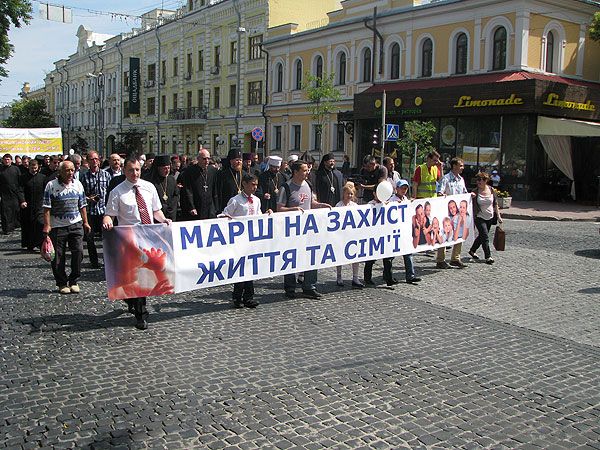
(38, 45)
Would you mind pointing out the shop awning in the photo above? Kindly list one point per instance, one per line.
(548, 126)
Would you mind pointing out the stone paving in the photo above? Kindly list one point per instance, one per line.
(502, 356)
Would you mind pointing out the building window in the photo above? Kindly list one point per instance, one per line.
(232, 95)
(200, 60)
(342, 69)
(200, 98)
(279, 78)
(163, 104)
(298, 75)
(277, 137)
(175, 66)
(395, 61)
(233, 52)
(462, 47)
(125, 83)
(366, 65)
(550, 52)
(255, 46)
(215, 142)
(297, 135)
(217, 97)
(317, 137)
(190, 67)
(499, 51)
(151, 72)
(150, 106)
(339, 137)
(217, 56)
(163, 69)
(426, 58)
(188, 101)
(174, 101)
(255, 93)
(319, 67)
(125, 111)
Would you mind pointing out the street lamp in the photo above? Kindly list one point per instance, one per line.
(99, 124)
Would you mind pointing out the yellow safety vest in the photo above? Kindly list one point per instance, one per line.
(427, 185)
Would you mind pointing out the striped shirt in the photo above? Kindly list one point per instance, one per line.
(64, 202)
(96, 184)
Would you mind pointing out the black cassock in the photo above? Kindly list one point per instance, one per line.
(269, 183)
(9, 193)
(229, 184)
(32, 217)
(199, 192)
(328, 186)
(168, 192)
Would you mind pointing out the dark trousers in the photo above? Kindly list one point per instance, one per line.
(138, 304)
(31, 230)
(387, 269)
(243, 290)
(71, 236)
(9, 213)
(96, 224)
(483, 239)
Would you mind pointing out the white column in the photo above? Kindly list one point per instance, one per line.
(477, 46)
(408, 55)
(521, 40)
(581, 50)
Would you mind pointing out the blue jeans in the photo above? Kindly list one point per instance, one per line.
(309, 283)
(409, 266)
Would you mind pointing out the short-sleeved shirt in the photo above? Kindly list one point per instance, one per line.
(452, 184)
(96, 184)
(123, 205)
(240, 205)
(300, 195)
(461, 230)
(64, 202)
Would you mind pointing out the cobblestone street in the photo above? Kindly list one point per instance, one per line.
(502, 356)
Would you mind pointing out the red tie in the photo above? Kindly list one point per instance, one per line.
(141, 204)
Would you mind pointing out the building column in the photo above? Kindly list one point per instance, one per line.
(580, 49)
(408, 55)
(477, 46)
(521, 40)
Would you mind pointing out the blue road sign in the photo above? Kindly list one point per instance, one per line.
(392, 132)
(258, 134)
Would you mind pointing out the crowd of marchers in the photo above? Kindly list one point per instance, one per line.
(72, 200)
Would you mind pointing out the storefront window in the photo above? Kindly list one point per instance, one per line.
(514, 148)
(478, 144)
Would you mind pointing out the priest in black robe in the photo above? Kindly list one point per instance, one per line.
(31, 200)
(229, 178)
(199, 197)
(269, 184)
(9, 194)
(165, 184)
(328, 181)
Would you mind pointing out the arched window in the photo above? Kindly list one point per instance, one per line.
(298, 75)
(395, 61)
(499, 51)
(319, 67)
(426, 58)
(462, 47)
(342, 69)
(366, 65)
(550, 52)
(279, 78)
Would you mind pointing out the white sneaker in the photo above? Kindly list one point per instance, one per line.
(64, 289)
(75, 289)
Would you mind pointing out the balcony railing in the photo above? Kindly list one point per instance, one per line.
(188, 113)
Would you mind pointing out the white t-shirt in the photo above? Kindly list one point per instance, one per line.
(240, 205)
(123, 205)
(65, 202)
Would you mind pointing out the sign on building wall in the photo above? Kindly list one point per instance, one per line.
(30, 141)
(134, 85)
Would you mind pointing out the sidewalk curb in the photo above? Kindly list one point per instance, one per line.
(547, 218)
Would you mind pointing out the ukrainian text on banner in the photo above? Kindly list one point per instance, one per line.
(30, 141)
(155, 259)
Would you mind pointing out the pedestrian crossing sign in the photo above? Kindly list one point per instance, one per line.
(392, 132)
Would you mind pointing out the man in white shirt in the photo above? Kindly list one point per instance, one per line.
(452, 184)
(123, 204)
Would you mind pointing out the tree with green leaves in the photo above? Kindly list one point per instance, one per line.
(29, 113)
(16, 13)
(417, 136)
(594, 29)
(322, 95)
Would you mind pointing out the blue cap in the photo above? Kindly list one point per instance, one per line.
(401, 183)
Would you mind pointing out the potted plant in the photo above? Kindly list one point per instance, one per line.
(504, 199)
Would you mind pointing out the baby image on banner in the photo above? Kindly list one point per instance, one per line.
(139, 261)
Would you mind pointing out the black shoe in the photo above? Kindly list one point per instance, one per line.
(473, 255)
(311, 294)
(141, 324)
(369, 283)
(392, 282)
(290, 294)
(413, 280)
(251, 303)
(95, 265)
(357, 284)
(237, 303)
(442, 265)
(458, 263)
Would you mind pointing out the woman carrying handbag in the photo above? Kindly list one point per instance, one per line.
(486, 213)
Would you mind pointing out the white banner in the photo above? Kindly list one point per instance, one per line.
(156, 259)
